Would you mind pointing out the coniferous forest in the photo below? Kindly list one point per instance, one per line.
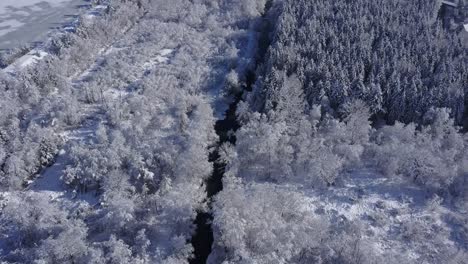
(239, 131)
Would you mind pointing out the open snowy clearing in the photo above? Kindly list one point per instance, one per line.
(28, 21)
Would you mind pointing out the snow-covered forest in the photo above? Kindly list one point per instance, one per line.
(238, 131)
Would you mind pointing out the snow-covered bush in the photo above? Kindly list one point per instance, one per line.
(289, 145)
(263, 223)
(270, 223)
(34, 230)
(91, 164)
(9, 56)
(433, 155)
(27, 157)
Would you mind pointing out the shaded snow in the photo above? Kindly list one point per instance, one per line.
(9, 26)
(114, 94)
(49, 182)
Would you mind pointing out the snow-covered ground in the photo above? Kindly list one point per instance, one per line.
(389, 219)
(393, 215)
(28, 21)
(26, 60)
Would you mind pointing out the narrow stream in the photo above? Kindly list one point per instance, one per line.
(202, 240)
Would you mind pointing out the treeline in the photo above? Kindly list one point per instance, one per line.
(394, 55)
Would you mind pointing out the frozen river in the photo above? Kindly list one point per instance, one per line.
(28, 21)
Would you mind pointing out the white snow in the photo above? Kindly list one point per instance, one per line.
(161, 57)
(26, 21)
(28, 59)
(393, 216)
(381, 206)
(450, 3)
(165, 52)
(100, 7)
(49, 183)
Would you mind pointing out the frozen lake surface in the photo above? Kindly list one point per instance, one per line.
(28, 21)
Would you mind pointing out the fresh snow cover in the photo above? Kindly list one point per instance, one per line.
(161, 57)
(26, 60)
(50, 183)
(387, 212)
(169, 124)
